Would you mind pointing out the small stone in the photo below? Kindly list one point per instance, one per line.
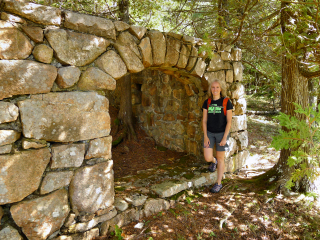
(12, 18)
(35, 33)
(8, 136)
(100, 148)
(121, 26)
(10, 233)
(55, 180)
(70, 220)
(9, 112)
(120, 204)
(95, 79)
(138, 31)
(43, 53)
(139, 225)
(68, 76)
(69, 155)
(5, 149)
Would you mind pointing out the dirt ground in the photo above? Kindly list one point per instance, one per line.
(243, 209)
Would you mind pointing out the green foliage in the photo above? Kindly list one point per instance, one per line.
(302, 137)
(118, 232)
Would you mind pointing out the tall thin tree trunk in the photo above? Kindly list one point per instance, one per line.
(125, 113)
(294, 90)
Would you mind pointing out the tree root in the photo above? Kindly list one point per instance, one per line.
(224, 220)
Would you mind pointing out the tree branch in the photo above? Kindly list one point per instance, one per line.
(242, 22)
(263, 74)
(308, 74)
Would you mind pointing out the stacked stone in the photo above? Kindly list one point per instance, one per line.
(56, 172)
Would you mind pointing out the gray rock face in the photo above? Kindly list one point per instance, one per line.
(145, 47)
(15, 182)
(92, 188)
(43, 53)
(76, 49)
(41, 217)
(100, 148)
(95, 79)
(68, 76)
(8, 112)
(8, 136)
(111, 63)
(169, 188)
(90, 24)
(65, 117)
(55, 180)
(70, 155)
(10, 233)
(153, 206)
(34, 12)
(19, 47)
(122, 219)
(158, 43)
(35, 33)
(25, 77)
(131, 60)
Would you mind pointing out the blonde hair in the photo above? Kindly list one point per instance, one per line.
(223, 87)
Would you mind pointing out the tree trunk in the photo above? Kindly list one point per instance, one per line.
(125, 112)
(294, 90)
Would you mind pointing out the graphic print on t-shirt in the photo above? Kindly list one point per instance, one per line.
(213, 108)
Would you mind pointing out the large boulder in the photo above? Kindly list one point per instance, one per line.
(131, 60)
(65, 117)
(34, 12)
(92, 188)
(158, 43)
(111, 63)
(19, 77)
(21, 173)
(173, 49)
(145, 47)
(41, 217)
(13, 44)
(77, 49)
(90, 24)
(125, 38)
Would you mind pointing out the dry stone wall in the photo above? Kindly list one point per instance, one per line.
(56, 66)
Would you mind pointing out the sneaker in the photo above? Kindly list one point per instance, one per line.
(216, 188)
(213, 166)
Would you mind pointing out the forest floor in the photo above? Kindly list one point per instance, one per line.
(243, 209)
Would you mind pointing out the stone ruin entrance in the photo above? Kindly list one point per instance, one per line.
(56, 177)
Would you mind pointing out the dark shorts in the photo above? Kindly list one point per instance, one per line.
(215, 139)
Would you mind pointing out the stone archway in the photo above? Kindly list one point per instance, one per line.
(56, 173)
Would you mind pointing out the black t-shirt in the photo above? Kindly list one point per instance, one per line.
(217, 121)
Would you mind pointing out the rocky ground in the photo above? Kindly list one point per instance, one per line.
(244, 209)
